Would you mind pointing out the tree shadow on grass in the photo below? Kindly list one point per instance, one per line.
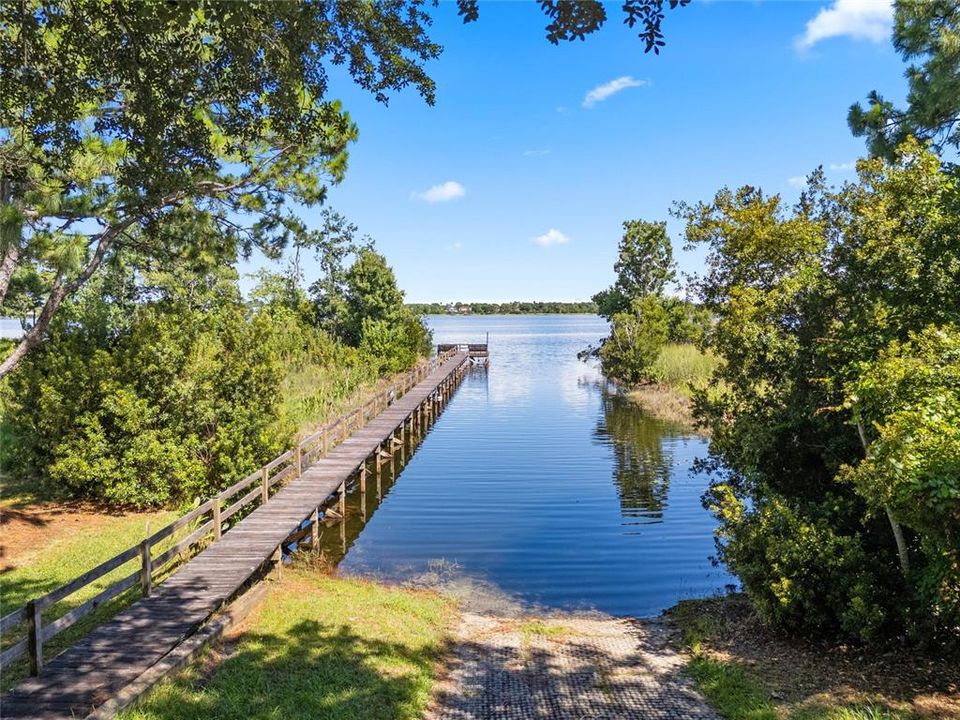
(314, 671)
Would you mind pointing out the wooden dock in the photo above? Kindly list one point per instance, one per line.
(77, 681)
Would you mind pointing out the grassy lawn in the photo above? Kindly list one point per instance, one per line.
(747, 673)
(54, 543)
(319, 647)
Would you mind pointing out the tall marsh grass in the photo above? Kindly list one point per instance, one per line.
(684, 367)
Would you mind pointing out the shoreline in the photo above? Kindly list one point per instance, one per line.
(423, 653)
(666, 403)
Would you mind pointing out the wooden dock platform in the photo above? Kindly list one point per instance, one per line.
(113, 655)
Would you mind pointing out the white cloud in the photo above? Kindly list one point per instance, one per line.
(455, 246)
(797, 181)
(551, 237)
(843, 167)
(602, 92)
(859, 19)
(450, 190)
(535, 153)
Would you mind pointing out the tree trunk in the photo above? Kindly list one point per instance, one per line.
(35, 334)
(902, 552)
(58, 293)
(7, 265)
(9, 246)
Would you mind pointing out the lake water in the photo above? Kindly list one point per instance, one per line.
(540, 481)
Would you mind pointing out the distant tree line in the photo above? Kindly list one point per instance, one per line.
(509, 308)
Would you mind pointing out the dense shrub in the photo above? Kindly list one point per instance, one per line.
(687, 322)
(177, 399)
(801, 569)
(833, 411)
(160, 388)
(635, 341)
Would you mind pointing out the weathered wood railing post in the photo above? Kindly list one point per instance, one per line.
(264, 484)
(146, 568)
(217, 523)
(296, 451)
(315, 531)
(277, 558)
(35, 637)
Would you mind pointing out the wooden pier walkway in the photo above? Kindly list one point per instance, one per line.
(113, 655)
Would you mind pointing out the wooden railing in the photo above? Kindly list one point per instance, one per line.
(210, 518)
(475, 350)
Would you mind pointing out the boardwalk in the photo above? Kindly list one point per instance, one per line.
(116, 653)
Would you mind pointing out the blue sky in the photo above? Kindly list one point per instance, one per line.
(515, 184)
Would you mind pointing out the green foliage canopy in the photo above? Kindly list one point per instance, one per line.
(146, 404)
(816, 306)
(927, 32)
(575, 20)
(644, 267)
(516, 307)
(179, 129)
(636, 338)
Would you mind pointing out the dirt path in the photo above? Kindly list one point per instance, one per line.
(565, 666)
(27, 530)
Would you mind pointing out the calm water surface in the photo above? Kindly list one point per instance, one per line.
(538, 480)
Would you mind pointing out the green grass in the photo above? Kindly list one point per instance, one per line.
(319, 647)
(680, 369)
(315, 394)
(538, 628)
(728, 688)
(683, 366)
(65, 556)
(737, 694)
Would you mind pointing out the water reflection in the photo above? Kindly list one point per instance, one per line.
(643, 459)
(367, 491)
(539, 482)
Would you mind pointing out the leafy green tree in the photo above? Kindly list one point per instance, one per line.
(181, 129)
(926, 32)
(185, 129)
(575, 20)
(150, 401)
(371, 294)
(906, 404)
(807, 301)
(636, 338)
(688, 322)
(363, 306)
(644, 266)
